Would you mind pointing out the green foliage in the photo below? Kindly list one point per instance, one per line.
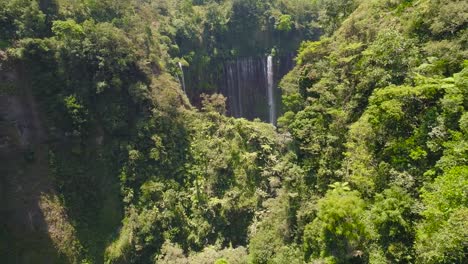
(207, 33)
(284, 23)
(442, 233)
(388, 59)
(120, 248)
(77, 113)
(392, 215)
(68, 28)
(265, 244)
(445, 17)
(221, 261)
(214, 103)
(380, 102)
(21, 19)
(351, 123)
(339, 230)
(271, 235)
(173, 254)
(312, 51)
(333, 12)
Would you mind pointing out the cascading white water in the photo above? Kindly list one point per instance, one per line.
(249, 85)
(271, 93)
(182, 75)
(240, 76)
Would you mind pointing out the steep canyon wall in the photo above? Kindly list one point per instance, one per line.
(250, 85)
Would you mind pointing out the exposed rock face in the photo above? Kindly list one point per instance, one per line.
(246, 81)
(25, 184)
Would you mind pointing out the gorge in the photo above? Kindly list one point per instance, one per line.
(233, 131)
(250, 85)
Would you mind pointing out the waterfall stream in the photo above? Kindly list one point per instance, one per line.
(248, 83)
(182, 75)
(271, 92)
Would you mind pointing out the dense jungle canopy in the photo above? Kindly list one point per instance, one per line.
(108, 155)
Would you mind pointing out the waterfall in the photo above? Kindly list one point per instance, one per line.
(182, 75)
(271, 92)
(241, 65)
(248, 83)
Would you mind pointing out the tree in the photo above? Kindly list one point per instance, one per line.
(442, 235)
(284, 23)
(21, 19)
(393, 218)
(333, 12)
(339, 231)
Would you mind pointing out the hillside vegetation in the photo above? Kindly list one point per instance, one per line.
(368, 163)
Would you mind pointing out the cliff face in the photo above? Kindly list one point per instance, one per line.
(33, 220)
(244, 82)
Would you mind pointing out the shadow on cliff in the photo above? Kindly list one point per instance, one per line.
(34, 227)
(23, 180)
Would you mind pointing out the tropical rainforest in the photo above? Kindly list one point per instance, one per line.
(105, 157)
